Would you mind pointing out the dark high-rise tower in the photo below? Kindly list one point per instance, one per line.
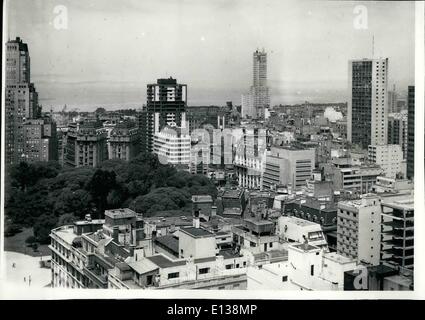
(21, 99)
(411, 132)
(166, 105)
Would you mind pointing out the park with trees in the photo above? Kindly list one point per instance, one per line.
(44, 195)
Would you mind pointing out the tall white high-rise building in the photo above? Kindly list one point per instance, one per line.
(257, 100)
(367, 120)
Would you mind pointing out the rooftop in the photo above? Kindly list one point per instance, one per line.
(261, 222)
(337, 258)
(404, 204)
(167, 221)
(163, 262)
(229, 254)
(299, 221)
(305, 247)
(231, 193)
(66, 233)
(197, 232)
(169, 241)
(202, 198)
(87, 222)
(120, 213)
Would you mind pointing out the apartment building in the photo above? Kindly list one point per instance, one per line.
(359, 229)
(124, 141)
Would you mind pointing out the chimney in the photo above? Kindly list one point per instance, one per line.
(196, 221)
(213, 211)
(133, 235)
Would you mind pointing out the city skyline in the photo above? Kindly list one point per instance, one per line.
(88, 77)
(293, 170)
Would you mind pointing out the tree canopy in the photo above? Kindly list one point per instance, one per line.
(44, 194)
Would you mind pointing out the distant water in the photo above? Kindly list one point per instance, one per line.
(89, 96)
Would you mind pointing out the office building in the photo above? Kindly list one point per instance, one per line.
(288, 165)
(21, 100)
(166, 105)
(367, 117)
(347, 175)
(40, 140)
(411, 132)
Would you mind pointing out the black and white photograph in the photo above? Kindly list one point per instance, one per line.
(228, 147)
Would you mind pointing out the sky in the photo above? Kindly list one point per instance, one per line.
(112, 49)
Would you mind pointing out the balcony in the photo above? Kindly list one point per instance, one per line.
(96, 277)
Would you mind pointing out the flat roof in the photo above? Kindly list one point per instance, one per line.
(170, 242)
(401, 280)
(66, 233)
(120, 213)
(87, 222)
(404, 204)
(299, 221)
(229, 254)
(197, 232)
(167, 221)
(305, 246)
(201, 198)
(163, 262)
(231, 193)
(261, 222)
(338, 258)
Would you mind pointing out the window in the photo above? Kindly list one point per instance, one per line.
(236, 285)
(221, 288)
(204, 270)
(229, 266)
(173, 275)
(284, 278)
(312, 270)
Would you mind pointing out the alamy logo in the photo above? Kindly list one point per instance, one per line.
(60, 22)
(361, 17)
(219, 146)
